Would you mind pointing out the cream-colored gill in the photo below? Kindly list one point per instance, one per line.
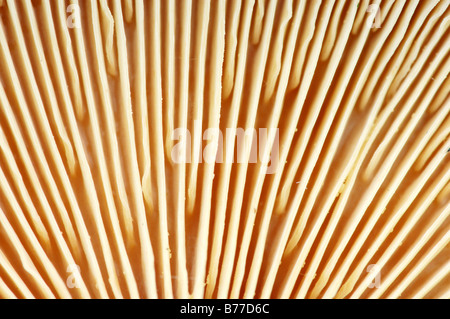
(214, 97)
(274, 119)
(31, 131)
(225, 170)
(236, 201)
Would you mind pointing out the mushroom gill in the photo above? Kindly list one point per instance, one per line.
(224, 149)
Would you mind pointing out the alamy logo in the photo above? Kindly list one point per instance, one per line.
(74, 19)
(375, 271)
(74, 279)
(251, 146)
(375, 9)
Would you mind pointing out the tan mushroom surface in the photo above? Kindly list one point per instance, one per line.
(225, 149)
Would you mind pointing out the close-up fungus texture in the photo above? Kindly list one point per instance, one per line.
(274, 149)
